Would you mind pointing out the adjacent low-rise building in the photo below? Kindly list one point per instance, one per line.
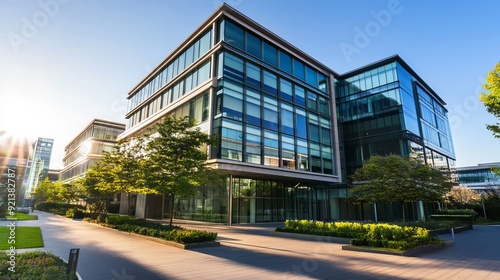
(88, 146)
(480, 177)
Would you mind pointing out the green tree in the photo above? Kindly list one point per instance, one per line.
(96, 196)
(399, 179)
(491, 98)
(462, 195)
(123, 169)
(46, 191)
(176, 164)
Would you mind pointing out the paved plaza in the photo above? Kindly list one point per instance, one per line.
(248, 252)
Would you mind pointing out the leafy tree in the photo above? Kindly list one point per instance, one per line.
(46, 191)
(176, 165)
(462, 195)
(124, 170)
(399, 179)
(97, 198)
(491, 98)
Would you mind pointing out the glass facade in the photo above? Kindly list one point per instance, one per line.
(266, 116)
(270, 107)
(385, 110)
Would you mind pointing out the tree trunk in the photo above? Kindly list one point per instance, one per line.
(172, 209)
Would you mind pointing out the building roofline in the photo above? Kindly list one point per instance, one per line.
(97, 121)
(384, 61)
(225, 9)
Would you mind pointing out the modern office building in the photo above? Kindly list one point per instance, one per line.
(274, 110)
(88, 146)
(480, 177)
(386, 108)
(37, 168)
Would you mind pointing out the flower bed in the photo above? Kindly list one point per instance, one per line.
(34, 265)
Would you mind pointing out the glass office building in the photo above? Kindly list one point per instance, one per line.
(386, 108)
(37, 168)
(480, 178)
(273, 109)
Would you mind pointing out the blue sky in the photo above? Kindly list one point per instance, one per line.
(66, 62)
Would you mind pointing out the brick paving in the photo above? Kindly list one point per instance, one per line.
(248, 252)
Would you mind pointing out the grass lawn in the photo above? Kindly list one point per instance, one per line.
(26, 237)
(23, 217)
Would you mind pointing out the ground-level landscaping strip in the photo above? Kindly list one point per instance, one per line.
(169, 235)
(34, 265)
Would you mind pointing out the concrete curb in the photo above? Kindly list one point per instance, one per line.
(164, 242)
(409, 253)
(310, 237)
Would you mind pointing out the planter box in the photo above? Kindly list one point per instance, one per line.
(178, 245)
(311, 237)
(409, 253)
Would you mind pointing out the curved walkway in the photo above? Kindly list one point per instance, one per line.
(248, 252)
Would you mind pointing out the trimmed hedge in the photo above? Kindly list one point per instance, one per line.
(457, 212)
(148, 228)
(35, 265)
(464, 219)
(374, 235)
(74, 213)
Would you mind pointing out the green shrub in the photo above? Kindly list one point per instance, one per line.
(457, 212)
(70, 213)
(374, 235)
(464, 219)
(148, 228)
(38, 264)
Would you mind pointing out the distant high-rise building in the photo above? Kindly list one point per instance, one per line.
(38, 165)
(14, 155)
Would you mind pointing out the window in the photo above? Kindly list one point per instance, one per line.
(302, 157)
(301, 121)
(253, 144)
(324, 107)
(300, 98)
(270, 82)
(287, 152)
(311, 101)
(298, 69)
(285, 90)
(311, 76)
(231, 143)
(313, 128)
(271, 148)
(252, 107)
(232, 100)
(287, 119)
(270, 113)
(270, 54)
(254, 45)
(234, 35)
(233, 67)
(253, 75)
(285, 62)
